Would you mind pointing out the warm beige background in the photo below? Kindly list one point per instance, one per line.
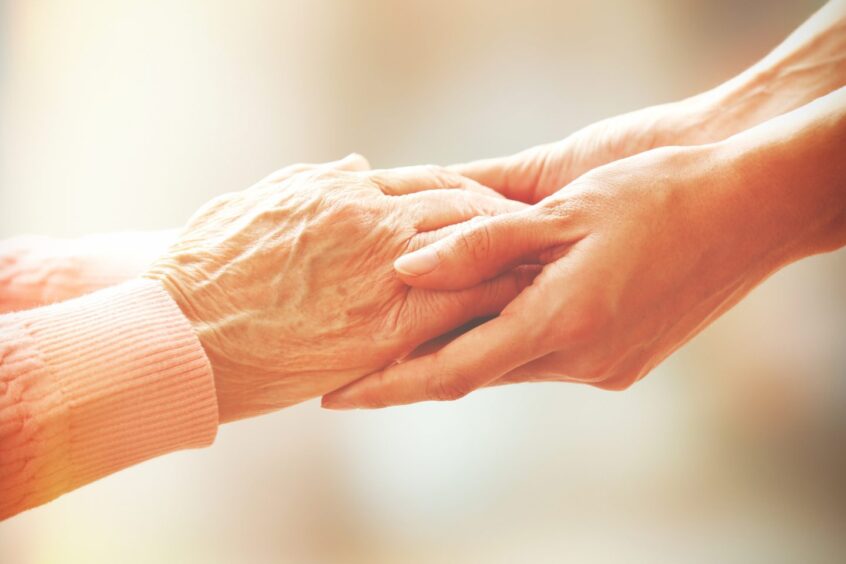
(131, 114)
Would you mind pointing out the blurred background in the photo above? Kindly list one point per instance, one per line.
(129, 115)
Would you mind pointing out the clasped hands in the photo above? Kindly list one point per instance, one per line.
(587, 260)
(359, 285)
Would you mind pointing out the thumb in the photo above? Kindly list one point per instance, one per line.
(488, 172)
(516, 176)
(478, 251)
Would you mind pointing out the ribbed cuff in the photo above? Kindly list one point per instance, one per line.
(127, 381)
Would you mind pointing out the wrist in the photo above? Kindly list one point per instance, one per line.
(692, 121)
(809, 64)
(163, 271)
(209, 325)
(782, 182)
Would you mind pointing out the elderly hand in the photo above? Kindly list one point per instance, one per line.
(290, 287)
(38, 270)
(638, 257)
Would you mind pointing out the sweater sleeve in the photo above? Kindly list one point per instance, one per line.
(38, 270)
(96, 384)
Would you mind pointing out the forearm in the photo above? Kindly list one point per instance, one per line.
(810, 63)
(787, 177)
(94, 385)
(35, 271)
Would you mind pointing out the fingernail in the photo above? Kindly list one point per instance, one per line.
(418, 263)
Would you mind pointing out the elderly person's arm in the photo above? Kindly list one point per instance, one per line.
(40, 270)
(269, 297)
(96, 384)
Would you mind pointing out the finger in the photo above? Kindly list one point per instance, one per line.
(516, 176)
(434, 209)
(478, 251)
(352, 162)
(544, 369)
(410, 179)
(471, 361)
(426, 238)
(434, 313)
(439, 342)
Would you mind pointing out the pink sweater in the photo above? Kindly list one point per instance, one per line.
(94, 384)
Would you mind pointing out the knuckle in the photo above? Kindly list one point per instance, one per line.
(433, 170)
(379, 180)
(556, 212)
(291, 170)
(450, 178)
(617, 383)
(595, 372)
(481, 208)
(625, 375)
(441, 177)
(451, 392)
(447, 386)
(476, 242)
(215, 205)
(320, 175)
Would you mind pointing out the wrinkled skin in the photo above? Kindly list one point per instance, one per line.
(290, 286)
(38, 270)
(602, 311)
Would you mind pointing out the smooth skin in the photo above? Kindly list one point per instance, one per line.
(638, 256)
(809, 63)
(682, 221)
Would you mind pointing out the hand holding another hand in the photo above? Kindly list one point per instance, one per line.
(289, 284)
(637, 257)
(620, 288)
(808, 64)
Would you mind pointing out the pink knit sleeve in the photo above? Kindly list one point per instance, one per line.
(38, 270)
(96, 384)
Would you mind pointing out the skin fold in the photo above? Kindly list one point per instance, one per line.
(637, 257)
